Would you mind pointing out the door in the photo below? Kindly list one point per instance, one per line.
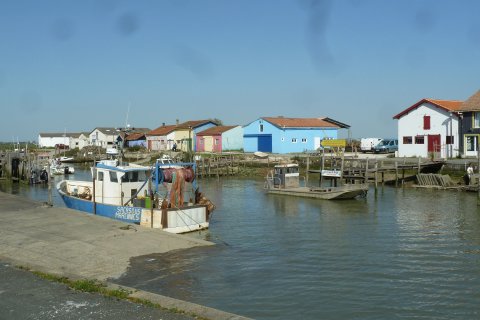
(265, 143)
(201, 144)
(434, 145)
(316, 143)
(471, 145)
(217, 144)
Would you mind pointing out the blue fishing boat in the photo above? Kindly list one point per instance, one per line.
(162, 196)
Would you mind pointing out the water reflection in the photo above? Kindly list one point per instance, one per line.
(398, 253)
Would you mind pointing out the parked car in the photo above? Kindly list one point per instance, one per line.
(387, 146)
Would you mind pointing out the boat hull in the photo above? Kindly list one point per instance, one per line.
(174, 220)
(333, 193)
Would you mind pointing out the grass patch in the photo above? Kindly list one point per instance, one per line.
(84, 285)
(95, 286)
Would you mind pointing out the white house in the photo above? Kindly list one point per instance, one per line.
(79, 140)
(104, 137)
(161, 138)
(50, 140)
(429, 128)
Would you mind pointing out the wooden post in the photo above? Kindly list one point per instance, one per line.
(152, 199)
(396, 174)
(419, 165)
(322, 167)
(93, 196)
(376, 174)
(308, 168)
(50, 203)
(366, 171)
(478, 170)
(342, 166)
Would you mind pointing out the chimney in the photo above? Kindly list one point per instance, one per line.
(178, 122)
(163, 124)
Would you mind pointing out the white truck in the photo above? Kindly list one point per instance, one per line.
(368, 144)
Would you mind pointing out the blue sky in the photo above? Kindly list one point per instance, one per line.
(77, 65)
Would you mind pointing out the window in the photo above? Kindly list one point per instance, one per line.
(407, 140)
(217, 141)
(100, 176)
(261, 127)
(294, 140)
(113, 176)
(471, 143)
(426, 122)
(133, 176)
(450, 140)
(282, 139)
(476, 119)
(419, 140)
(304, 140)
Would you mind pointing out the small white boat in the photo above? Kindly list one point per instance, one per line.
(167, 162)
(65, 159)
(285, 180)
(57, 168)
(260, 155)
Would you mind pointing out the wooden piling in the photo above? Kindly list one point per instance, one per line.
(308, 168)
(396, 174)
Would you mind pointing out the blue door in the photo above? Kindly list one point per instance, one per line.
(265, 143)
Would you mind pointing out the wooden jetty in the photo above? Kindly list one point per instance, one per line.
(377, 171)
(218, 165)
(18, 166)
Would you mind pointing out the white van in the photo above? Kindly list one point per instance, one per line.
(369, 144)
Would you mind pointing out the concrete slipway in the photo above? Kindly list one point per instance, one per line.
(69, 243)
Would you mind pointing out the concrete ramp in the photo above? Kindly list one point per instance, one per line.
(72, 243)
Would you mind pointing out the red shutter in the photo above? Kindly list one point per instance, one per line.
(426, 122)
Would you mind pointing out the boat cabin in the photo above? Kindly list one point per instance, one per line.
(286, 176)
(115, 185)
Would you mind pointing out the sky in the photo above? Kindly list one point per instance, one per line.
(72, 66)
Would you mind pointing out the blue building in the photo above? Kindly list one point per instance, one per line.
(285, 135)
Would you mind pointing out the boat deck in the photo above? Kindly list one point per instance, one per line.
(326, 193)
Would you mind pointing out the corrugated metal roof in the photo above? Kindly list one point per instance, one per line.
(59, 135)
(283, 122)
(106, 130)
(215, 130)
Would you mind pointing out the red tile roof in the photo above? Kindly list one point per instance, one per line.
(448, 105)
(135, 136)
(215, 130)
(283, 122)
(193, 124)
(162, 131)
(472, 103)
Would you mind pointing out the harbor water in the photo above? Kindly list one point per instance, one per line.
(399, 253)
